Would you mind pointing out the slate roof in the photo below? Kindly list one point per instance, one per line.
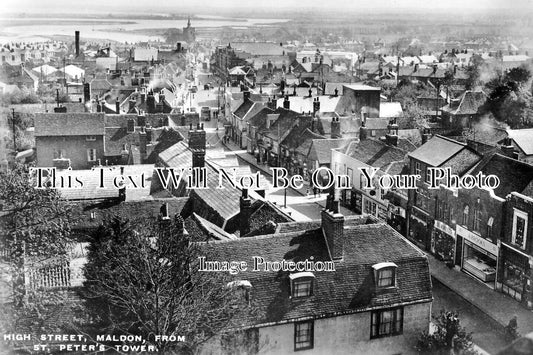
(243, 108)
(437, 150)
(116, 137)
(349, 289)
(69, 124)
(523, 138)
(177, 156)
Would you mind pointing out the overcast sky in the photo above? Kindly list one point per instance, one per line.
(105, 6)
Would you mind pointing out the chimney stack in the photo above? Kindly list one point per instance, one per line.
(333, 227)
(335, 127)
(391, 138)
(426, 135)
(130, 128)
(316, 105)
(143, 144)
(363, 130)
(117, 106)
(245, 206)
(272, 103)
(287, 103)
(246, 95)
(197, 143)
(77, 42)
(150, 102)
(508, 148)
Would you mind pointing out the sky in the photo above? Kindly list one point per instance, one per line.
(107, 6)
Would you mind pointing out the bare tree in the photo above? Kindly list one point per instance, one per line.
(144, 280)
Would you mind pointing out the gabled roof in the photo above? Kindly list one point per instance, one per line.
(69, 124)
(523, 138)
(437, 150)
(321, 149)
(350, 289)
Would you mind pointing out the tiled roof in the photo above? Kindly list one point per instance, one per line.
(377, 123)
(200, 227)
(116, 137)
(349, 289)
(69, 124)
(361, 87)
(437, 150)
(177, 156)
(243, 108)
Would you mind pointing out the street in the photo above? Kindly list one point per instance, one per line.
(487, 333)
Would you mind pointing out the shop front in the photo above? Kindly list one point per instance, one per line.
(443, 241)
(419, 228)
(513, 275)
(479, 256)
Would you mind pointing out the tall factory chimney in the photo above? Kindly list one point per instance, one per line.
(77, 39)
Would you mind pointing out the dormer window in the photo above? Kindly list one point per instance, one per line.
(242, 288)
(385, 274)
(301, 284)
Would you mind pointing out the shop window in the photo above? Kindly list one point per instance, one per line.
(303, 335)
(386, 323)
(466, 215)
(519, 228)
(489, 228)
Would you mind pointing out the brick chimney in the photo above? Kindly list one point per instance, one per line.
(333, 227)
(117, 106)
(130, 128)
(246, 95)
(508, 148)
(272, 103)
(335, 127)
(316, 105)
(363, 134)
(286, 103)
(197, 143)
(143, 144)
(77, 42)
(245, 207)
(122, 191)
(150, 102)
(426, 135)
(391, 138)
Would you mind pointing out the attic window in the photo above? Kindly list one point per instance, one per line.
(385, 274)
(301, 284)
(242, 289)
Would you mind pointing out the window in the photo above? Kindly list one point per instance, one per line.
(477, 219)
(90, 138)
(301, 284)
(386, 323)
(386, 277)
(91, 154)
(490, 223)
(466, 212)
(303, 335)
(426, 178)
(417, 168)
(385, 274)
(59, 153)
(373, 133)
(519, 228)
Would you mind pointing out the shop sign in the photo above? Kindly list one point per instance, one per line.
(445, 228)
(477, 240)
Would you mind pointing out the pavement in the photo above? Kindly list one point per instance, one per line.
(496, 305)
